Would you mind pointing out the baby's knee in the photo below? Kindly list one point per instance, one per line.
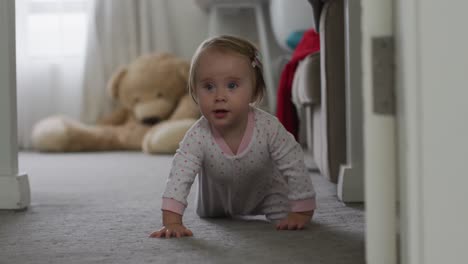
(212, 214)
(276, 216)
(275, 207)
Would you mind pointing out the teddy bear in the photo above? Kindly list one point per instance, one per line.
(154, 111)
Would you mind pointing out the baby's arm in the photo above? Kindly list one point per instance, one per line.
(185, 166)
(172, 226)
(289, 158)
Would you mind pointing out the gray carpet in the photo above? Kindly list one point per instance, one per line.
(101, 207)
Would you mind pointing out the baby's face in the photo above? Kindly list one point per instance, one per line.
(224, 87)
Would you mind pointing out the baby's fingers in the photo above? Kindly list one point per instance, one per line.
(300, 226)
(289, 224)
(282, 225)
(296, 224)
(182, 233)
(171, 232)
(158, 233)
(168, 233)
(187, 232)
(178, 233)
(292, 226)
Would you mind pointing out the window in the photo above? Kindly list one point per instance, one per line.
(55, 27)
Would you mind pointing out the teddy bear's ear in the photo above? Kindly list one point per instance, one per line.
(114, 82)
(184, 70)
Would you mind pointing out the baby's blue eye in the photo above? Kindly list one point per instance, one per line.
(232, 85)
(209, 86)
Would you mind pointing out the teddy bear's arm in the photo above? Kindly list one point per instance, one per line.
(186, 108)
(117, 117)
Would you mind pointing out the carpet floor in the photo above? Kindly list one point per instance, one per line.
(101, 207)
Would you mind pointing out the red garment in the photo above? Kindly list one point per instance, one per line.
(285, 110)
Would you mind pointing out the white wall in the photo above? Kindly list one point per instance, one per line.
(189, 26)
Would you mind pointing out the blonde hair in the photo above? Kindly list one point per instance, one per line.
(239, 46)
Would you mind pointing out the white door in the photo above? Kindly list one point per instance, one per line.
(432, 38)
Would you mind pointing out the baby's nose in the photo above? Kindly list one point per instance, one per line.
(220, 95)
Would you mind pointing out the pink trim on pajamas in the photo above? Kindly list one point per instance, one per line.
(302, 205)
(245, 139)
(173, 206)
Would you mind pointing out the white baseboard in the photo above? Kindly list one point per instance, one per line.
(350, 184)
(14, 192)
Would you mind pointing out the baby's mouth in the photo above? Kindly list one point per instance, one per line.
(220, 113)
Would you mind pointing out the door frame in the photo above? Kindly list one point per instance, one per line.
(379, 133)
(14, 187)
(381, 211)
(409, 130)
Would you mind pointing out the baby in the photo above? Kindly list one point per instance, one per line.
(246, 161)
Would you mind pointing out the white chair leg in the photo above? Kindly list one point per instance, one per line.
(266, 59)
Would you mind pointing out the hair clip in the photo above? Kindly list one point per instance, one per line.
(256, 60)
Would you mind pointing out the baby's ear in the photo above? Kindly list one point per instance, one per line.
(253, 99)
(114, 82)
(255, 95)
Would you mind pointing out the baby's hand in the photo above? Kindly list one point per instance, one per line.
(173, 226)
(172, 230)
(296, 220)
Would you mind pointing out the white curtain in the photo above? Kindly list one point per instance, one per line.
(68, 49)
(120, 31)
(51, 41)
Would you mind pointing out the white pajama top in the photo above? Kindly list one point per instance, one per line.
(266, 176)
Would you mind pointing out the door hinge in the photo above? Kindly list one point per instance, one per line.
(383, 75)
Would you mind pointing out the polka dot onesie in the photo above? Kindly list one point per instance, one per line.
(266, 177)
